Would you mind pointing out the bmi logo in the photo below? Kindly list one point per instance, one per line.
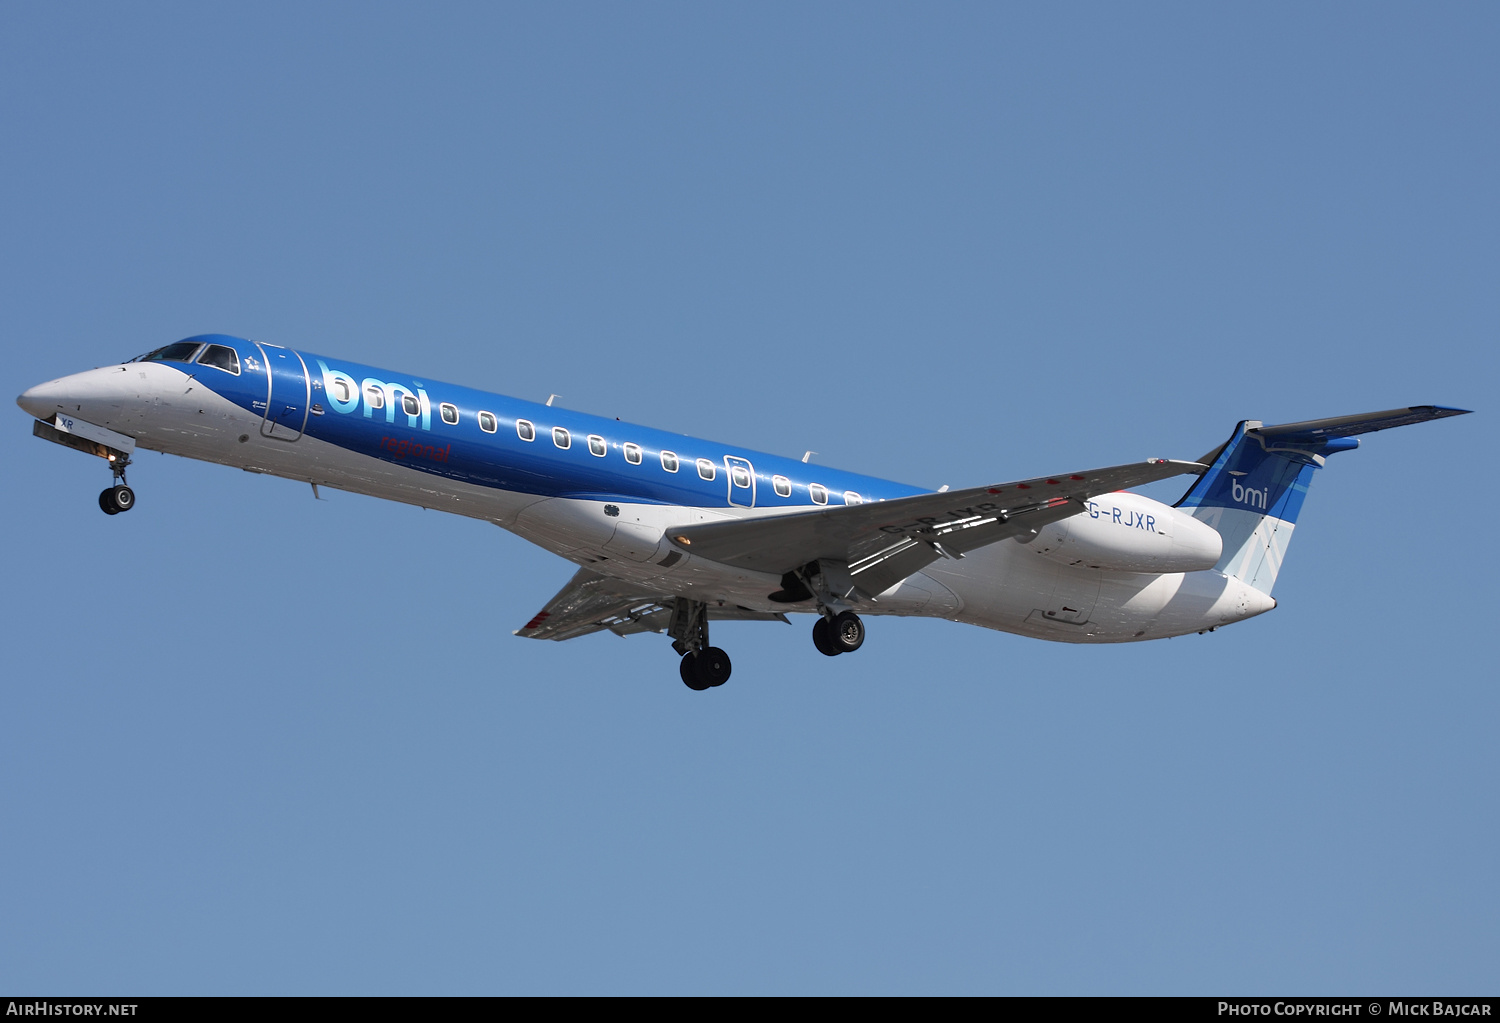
(1248, 495)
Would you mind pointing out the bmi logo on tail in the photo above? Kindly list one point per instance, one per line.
(1249, 495)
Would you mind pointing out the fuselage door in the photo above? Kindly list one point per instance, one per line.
(288, 393)
(741, 481)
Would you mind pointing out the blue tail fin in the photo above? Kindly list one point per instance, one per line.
(1256, 483)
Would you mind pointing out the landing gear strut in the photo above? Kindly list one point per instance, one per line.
(842, 633)
(702, 666)
(117, 498)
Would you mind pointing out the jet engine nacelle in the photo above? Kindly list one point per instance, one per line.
(1128, 533)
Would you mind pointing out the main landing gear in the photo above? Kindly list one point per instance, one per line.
(830, 584)
(841, 633)
(702, 666)
(117, 498)
(705, 667)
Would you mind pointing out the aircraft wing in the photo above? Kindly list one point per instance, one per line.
(884, 542)
(592, 603)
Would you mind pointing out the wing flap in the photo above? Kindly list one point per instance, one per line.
(591, 603)
(886, 541)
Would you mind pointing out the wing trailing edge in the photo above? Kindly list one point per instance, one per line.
(881, 543)
(591, 602)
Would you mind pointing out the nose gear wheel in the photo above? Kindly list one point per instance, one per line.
(114, 500)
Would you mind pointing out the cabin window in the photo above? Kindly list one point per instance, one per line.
(850, 497)
(223, 357)
(818, 493)
(782, 486)
(596, 446)
(525, 430)
(410, 405)
(669, 461)
(487, 422)
(740, 476)
(562, 438)
(375, 396)
(633, 454)
(706, 469)
(449, 414)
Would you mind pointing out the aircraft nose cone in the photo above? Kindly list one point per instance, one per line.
(42, 400)
(88, 393)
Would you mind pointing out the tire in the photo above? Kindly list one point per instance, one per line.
(688, 669)
(713, 666)
(107, 502)
(122, 497)
(848, 632)
(823, 639)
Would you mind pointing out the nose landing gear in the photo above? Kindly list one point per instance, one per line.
(119, 497)
(114, 500)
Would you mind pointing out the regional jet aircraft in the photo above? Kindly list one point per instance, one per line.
(671, 532)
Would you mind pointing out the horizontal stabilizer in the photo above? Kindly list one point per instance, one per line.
(1350, 426)
(1253, 490)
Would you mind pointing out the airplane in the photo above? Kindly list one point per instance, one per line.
(671, 532)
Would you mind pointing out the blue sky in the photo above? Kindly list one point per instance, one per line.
(255, 743)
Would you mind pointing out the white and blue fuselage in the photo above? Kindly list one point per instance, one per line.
(616, 498)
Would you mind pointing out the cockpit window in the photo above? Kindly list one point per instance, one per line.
(182, 351)
(224, 357)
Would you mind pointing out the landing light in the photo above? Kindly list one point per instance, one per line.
(683, 540)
